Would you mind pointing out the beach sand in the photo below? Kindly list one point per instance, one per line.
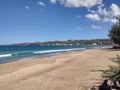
(70, 71)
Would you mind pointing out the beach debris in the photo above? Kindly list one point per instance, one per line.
(116, 85)
(107, 85)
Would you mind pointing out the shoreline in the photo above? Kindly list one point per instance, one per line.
(68, 71)
(48, 55)
(42, 54)
(40, 58)
(45, 56)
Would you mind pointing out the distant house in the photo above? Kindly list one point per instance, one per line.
(94, 44)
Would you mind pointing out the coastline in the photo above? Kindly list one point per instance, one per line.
(29, 61)
(69, 71)
(18, 53)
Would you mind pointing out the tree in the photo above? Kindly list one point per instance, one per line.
(118, 18)
(114, 33)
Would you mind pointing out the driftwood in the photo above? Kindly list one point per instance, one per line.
(108, 85)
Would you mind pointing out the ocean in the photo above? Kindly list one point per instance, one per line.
(13, 53)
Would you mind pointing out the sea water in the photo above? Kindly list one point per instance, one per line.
(12, 53)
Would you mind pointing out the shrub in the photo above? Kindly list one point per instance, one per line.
(114, 71)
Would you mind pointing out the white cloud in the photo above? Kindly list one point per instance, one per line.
(93, 17)
(96, 27)
(79, 3)
(115, 10)
(112, 11)
(27, 7)
(41, 4)
(112, 20)
(53, 1)
(107, 14)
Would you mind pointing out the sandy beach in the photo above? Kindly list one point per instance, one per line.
(70, 71)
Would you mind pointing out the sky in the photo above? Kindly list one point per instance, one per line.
(50, 20)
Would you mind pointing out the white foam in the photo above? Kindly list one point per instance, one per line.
(5, 55)
(60, 50)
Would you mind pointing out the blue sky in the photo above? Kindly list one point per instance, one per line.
(49, 20)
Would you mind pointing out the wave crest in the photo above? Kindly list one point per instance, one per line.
(5, 55)
(60, 50)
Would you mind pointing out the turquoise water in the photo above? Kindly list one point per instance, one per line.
(12, 53)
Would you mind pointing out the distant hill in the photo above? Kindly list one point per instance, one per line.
(68, 43)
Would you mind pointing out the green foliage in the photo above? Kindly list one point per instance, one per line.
(115, 34)
(114, 71)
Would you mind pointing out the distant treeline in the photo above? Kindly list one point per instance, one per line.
(68, 43)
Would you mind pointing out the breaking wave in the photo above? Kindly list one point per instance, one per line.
(5, 55)
(59, 50)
